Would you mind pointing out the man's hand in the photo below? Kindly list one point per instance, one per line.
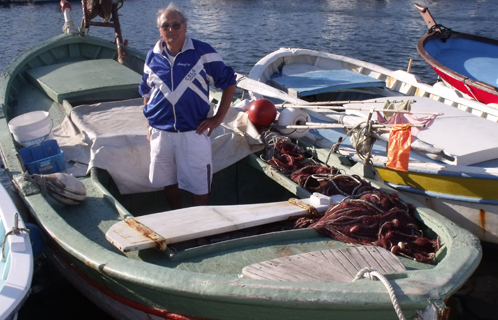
(214, 122)
(209, 123)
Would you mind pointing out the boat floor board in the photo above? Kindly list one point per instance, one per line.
(301, 81)
(196, 222)
(335, 265)
(470, 139)
(70, 80)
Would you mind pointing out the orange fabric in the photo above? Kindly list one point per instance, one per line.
(398, 154)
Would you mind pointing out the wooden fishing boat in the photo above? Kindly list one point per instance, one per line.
(459, 186)
(464, 61)
(16, 260)
(214, 262)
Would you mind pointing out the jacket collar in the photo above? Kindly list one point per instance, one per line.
(160, 45)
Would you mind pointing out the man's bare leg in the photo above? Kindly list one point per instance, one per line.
(173, 196)
(201, 199)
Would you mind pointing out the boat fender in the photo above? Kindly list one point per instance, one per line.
(292, 116)
(262, 112)
(62, 187)
(37, 240)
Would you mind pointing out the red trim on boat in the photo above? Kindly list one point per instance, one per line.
(118, 298)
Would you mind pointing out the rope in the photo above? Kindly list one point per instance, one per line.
(15, 230)
(438, 28)
(370, 273)
(311, 210)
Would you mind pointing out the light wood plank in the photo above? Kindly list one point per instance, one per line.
(197, 222)
(336, 265)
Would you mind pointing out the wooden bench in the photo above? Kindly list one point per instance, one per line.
(163, 228)
(102, 79)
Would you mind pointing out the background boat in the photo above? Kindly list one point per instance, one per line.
(450, 175)
(16, 259)
(466, 62)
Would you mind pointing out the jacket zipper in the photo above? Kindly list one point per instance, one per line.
(172, 64)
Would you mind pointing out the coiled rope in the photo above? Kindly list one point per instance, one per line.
(370, 273)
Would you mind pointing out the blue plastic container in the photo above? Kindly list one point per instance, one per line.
(43, 158)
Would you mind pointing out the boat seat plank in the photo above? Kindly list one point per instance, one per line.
(91, 78)
(160, 229)
(311, 82)
(339, 265)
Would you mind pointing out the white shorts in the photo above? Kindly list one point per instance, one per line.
(183, 158)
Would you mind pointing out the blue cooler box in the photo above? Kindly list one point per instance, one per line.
(43, 158)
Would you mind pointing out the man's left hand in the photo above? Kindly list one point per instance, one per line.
(208, 124)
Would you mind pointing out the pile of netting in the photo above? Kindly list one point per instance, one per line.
(375, 218)
(366, 216)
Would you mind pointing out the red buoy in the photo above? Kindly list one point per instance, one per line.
(262, 112)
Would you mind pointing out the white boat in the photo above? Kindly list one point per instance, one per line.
(16, 260)
(458, 179)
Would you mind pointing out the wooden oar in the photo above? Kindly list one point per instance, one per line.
(249, 84)
(332, 103)
(360, 109)
(321, 125)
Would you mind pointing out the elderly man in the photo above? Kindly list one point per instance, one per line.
(175, 87)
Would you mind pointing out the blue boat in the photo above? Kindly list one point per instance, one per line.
(466, 62)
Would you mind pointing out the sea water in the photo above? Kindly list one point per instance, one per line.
(384, 32)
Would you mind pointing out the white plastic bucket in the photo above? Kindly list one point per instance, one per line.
(31, 128)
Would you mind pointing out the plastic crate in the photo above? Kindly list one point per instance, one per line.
(43, 158)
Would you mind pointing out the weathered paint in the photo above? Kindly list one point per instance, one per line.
(482, 215)
(145, 231)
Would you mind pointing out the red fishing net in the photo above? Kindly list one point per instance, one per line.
(367, 216)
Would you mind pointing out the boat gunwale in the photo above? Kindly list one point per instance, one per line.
(421, 43)
(451, 97)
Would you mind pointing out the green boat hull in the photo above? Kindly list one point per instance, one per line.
(203, 281)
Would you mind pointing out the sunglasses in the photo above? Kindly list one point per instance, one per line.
(174, 25)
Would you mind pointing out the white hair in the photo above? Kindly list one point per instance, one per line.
(171, 8)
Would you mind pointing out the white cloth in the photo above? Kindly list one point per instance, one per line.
(113, 136)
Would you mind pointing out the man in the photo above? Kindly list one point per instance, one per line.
(175, 87)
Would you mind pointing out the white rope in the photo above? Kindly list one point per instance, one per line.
(15, 231)
(370, 273)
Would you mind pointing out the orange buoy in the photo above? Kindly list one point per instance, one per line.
(262, 112)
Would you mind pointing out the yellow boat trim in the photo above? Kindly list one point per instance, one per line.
(453, 186)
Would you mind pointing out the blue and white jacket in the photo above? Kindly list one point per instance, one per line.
(178, 92)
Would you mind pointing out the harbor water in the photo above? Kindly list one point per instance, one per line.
(383, 32)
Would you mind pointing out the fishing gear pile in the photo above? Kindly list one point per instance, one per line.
(366, 216)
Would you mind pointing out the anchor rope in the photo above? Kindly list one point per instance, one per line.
(370, 273)
(14, 231)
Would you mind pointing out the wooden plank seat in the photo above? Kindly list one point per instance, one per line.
(335, 265)
(102, 79)
(163, 228)
(304, 80)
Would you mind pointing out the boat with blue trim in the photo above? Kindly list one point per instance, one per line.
(16, 258)
(466, 62)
